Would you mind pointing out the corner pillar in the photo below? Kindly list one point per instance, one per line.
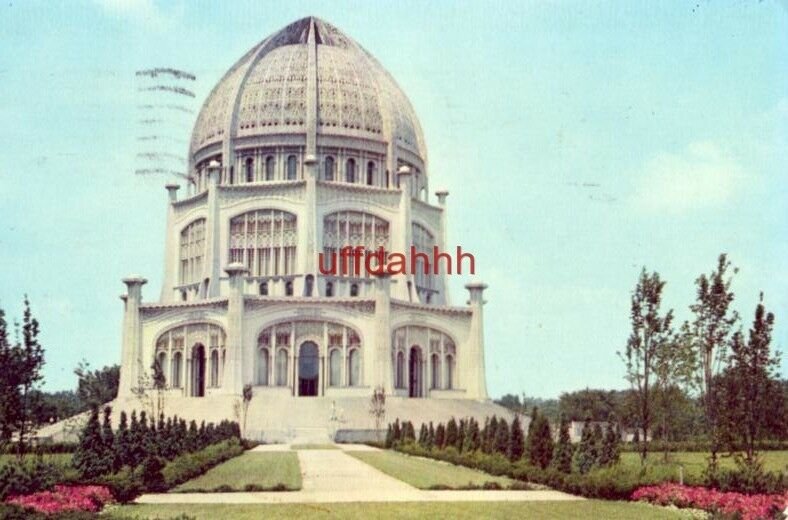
(473, 375)
(236, 368)
(382, 372)
(213, 258)
(131, 350)
(170, 244)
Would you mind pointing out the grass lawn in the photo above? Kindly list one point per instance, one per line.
(363, 511)
(314, 447)
(425, 473)
(695, 462)
(252, 471)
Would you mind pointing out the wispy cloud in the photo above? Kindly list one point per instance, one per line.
(144, 12)
(702, 176)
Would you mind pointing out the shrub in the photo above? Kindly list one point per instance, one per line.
(516, 441)
(92, 458)
(28, 476)
(540, 443)
(451, 433)
(562, 457)
(585, 455)
(124, 485)
(150, 473)
(610, 451)
(440, 436)
(747, 477)
(501, 442)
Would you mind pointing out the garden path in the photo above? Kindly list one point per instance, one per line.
(331, 475)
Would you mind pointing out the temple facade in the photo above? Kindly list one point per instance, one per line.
(306, 146)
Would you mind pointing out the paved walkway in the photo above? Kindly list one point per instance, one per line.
(335, 476)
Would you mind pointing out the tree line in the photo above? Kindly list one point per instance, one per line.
(598, 447)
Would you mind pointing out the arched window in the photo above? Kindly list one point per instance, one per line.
(400, 370)
(309, 282)
(354, 290)
(436, 371)
(161, 359)
(215, 368)
(388, 179)
(352, 228)
(329, 289)
(270, 168)
(354, 368)
(264, 289)
(172, 343)
(350, 171)
(192, 252)
(335, 368)
(449, 372)
(423, 241)
(328, 173)
(177, 361)
(292, 168)
(281, 367)
(289, 289)
(264, 241)
(249, 170)
(370, 173)
(262, 366)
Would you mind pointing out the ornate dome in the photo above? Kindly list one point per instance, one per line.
(308, 80)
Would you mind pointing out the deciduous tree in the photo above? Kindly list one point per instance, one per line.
(711, 328)
(651, 332)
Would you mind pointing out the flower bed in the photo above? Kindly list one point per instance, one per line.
(748, 507)
(65, 498)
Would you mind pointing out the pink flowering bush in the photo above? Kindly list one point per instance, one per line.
(747, 507)
(65, 498)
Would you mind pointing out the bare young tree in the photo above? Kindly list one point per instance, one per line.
(159, 383)
(377, 409)
(247, 400)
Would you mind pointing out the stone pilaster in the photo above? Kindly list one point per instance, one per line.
(473, 375)
(444, 282)
(211, 268)
(170, 245)
(404, 239)
(308, 243)
(237, 366)
(131, 350)
(382, 373)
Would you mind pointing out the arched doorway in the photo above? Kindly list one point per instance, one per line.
(414, 365)
(198, 370)
(308, 368)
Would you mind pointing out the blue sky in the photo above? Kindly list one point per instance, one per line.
(580, 141)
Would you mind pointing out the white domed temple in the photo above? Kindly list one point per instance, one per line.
(306, 146)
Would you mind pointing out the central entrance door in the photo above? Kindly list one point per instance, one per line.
(308, 369)
(415, 372)
(198, 371)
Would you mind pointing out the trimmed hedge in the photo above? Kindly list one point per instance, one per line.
(43, 448)
(190, 465)
(616, 482)
(700, 446)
